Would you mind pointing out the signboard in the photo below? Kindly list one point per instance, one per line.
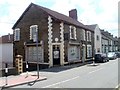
(31, 54)
(56, 54)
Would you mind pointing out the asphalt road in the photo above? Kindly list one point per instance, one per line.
(104, 75)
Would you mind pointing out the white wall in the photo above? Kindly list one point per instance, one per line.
(98, 43)
(6, 53)
(105, 46)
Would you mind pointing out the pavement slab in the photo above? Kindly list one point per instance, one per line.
(20, 80)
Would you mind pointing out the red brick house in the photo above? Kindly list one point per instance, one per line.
(60, 38)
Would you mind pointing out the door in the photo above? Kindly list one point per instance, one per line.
(83, 54)
(56, 55)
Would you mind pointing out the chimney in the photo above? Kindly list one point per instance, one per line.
(73, 14)
(9, 38)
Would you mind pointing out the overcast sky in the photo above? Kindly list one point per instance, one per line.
(101, 12)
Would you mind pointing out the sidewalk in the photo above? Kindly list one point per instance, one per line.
(20, 80)
(32, 77)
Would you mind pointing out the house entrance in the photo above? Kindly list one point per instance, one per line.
(56, 54)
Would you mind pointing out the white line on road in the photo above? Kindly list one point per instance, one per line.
(117, 86)
(61, 82)
(95, 70)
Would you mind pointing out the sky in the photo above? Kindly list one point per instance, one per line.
(101, 12)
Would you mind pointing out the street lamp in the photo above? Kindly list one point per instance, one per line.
(37, 52)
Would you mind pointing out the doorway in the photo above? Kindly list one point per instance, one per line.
(56, 55)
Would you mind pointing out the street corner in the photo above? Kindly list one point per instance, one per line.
(20, 80)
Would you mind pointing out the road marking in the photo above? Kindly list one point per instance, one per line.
(61, 82)
(117, 86)
(95, 70)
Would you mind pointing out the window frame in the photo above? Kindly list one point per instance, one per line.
(72, 32)
(17, 34)
(33, 34)
(89, 36)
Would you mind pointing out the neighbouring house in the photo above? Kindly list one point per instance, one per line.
(109, 43)
(119, 44)
(52, 38)
(98, 38)
(6, 48)
(115, 45)
(106, 41)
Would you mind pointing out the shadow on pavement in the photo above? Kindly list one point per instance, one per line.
(66, 67)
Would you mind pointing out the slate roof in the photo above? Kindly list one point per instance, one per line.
(6, 39)
(92, 27)
(107, 34)
(56, 15)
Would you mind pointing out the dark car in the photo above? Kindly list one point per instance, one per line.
(118, 54)
(101, 57)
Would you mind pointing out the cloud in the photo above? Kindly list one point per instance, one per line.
(14, 9)
(101, 12)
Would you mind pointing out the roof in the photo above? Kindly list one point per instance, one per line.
(6, 38)
(107, 34)
(92, 27)
(56, 15)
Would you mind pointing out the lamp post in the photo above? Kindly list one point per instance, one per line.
(37, 53)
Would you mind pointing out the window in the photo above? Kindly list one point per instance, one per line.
(89, 51)
(73, 53)
(84, 37)
(17, 34)
(33, 32)
(72, 32)
(97, 38)
(88, 36)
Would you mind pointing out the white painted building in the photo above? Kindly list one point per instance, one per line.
(6, 50)
(97, 38)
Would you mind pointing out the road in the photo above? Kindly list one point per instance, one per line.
(104, 75)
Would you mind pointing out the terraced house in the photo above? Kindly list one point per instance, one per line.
(58, 39)
(109, 43)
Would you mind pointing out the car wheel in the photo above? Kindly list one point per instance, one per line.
(103, 61)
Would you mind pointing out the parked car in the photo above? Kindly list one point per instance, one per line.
(101, 57)
(117, 54)
(112, 55)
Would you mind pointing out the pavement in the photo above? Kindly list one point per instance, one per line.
(24, 78)
(31, 77)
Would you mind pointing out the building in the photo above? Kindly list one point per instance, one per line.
(109, 43)
(119, 44)
(6, 48)
(50, 37)
(115, 44)
(97, 37)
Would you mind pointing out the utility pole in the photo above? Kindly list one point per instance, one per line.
(37, 53)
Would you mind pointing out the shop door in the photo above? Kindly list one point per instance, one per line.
(56, 55)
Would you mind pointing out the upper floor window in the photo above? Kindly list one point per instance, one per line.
(88, 36)
(97, 38)
(73, 32)
(33, 32)
(17, 34)
(84, 38)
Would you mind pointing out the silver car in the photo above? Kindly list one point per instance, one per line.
(112, 55)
